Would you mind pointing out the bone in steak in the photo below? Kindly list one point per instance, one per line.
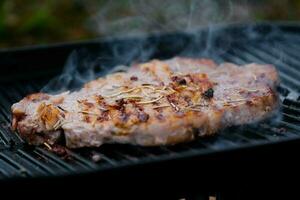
(154, 103)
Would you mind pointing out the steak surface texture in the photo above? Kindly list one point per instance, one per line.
(153, 103)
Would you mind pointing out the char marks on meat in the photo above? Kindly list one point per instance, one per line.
(153, 103)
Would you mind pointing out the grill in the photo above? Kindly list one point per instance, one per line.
(26, 70)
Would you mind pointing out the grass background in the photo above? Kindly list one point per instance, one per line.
(27, 22)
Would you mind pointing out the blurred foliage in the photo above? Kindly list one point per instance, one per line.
(27, 22)
(278, 10)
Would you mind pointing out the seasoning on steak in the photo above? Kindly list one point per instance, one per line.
(153, 103)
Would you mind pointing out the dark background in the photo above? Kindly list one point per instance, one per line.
(28, 22)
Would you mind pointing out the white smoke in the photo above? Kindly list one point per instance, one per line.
(139, 18)
(142, 16)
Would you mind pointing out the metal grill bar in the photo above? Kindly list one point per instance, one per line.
(55, 159)
(263, 56)
(249, 57)
(36, 162)
(16, 168)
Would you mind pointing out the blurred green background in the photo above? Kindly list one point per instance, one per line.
(28, 22)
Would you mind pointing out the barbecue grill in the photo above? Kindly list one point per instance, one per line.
(212, 160)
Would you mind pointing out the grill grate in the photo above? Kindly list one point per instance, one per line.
(19, 160)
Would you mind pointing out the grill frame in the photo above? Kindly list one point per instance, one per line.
(22, 159)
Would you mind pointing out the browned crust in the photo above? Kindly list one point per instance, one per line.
(37, 97)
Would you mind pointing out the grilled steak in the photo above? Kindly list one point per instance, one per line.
(154, 103)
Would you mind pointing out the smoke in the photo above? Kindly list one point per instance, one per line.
(79, 68)
(135, 19)
(141, 16)
(84, 64)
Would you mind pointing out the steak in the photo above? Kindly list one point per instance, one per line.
(153, 103)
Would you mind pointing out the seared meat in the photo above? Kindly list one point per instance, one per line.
(154, 103)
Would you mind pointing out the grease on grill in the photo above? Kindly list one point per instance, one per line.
(59, 150)
(96, 157)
